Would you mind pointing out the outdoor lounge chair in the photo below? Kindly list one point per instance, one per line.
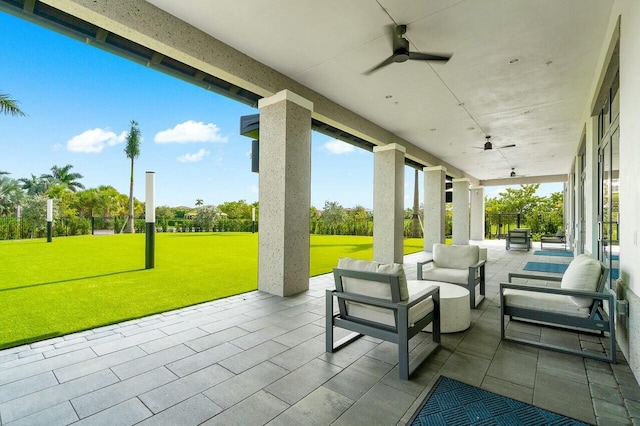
(519, 237)
(457, 264)
(375, 300)
(559, 238)
(577, 304)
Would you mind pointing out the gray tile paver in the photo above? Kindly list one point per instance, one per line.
(126, 413)
(258, 409)
(91, 403)
(26, 386)
(245, 384)
(254, 356)
(127, 342)
(172, 340)
(41, 366)
(89, 366)
(299, 383)
(176, 391)
(37, 401)
(58, 415)
(190, 412)
(215, 339)
(200, 360)
(149, 362)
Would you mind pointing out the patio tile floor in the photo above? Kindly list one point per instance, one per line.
(259, 359)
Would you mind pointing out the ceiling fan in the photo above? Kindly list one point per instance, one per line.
(488, 145)
(401, 51)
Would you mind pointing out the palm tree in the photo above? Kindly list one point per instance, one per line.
(9, 106)
(34, 185)
(199, 202)
(10, 195)
(133, 151)
(62, 175)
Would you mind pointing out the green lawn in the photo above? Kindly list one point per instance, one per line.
(76, 283)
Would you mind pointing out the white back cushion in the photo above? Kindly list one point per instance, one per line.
(583, 273)
(373, 288)
(455, 257)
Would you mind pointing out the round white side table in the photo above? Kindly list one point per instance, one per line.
(455, 314)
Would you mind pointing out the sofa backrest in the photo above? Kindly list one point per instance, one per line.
(583, 273)
(455, 256)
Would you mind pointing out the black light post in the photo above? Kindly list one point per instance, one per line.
(150, 218)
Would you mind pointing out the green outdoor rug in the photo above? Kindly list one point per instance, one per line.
(451, 402)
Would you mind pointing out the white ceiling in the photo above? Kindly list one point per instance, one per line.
(445, 109)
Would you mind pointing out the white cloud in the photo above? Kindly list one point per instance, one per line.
(338, 147)
(94, 141)
(192, 158)
(190, 131)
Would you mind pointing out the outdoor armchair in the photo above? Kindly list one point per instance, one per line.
(456, 264)
(577, 305)
(375, 300)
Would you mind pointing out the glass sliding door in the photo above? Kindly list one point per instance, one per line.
(609, 188)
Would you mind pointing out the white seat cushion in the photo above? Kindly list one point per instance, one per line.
(382, 291)
(455, 276)
(556, 303)
(583, 273)
(455, 256)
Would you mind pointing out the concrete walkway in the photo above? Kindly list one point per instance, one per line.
(258, 359)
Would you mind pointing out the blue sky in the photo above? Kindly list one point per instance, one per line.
(80, 100)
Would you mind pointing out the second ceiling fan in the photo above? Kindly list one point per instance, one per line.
(401, 52)
(488, 145)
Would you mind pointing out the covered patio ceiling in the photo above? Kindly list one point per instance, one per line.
(521, 71)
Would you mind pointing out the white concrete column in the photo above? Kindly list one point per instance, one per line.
(461, 211)
(284, 193)
(434, 206)
(388, 203)
(476, 225)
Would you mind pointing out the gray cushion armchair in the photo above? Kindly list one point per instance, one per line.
(375, 300)
(577, 304)
(457, 264)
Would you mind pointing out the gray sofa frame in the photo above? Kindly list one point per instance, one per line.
(476, 278)
(400, 334)
(598, 321)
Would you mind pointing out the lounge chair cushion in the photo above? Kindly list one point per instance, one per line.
(382, 291)
(556, 303)
(583, 273)
(447, 275)
(455, 256)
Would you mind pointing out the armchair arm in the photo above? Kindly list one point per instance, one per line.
(561, 291)
(420, 296)
(479, 264)
(420, 265)
(534, 277)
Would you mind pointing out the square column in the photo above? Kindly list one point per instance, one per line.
(434, 206)
(461, 211)
(476, 229)
(388, 203)
(284, 193)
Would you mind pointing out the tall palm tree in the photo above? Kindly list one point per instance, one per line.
(34, 185)
(62, 175)
(133, 151)
(9, 106)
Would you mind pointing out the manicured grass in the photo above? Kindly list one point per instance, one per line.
(76, 283)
